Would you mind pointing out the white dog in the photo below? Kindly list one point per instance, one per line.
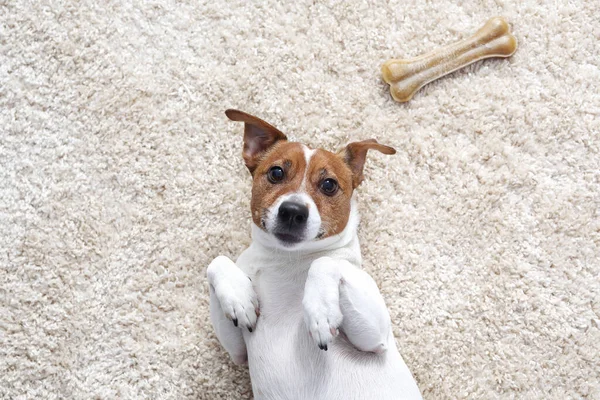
(296, 304)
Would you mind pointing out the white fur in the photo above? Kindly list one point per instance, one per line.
(318, 290)
(308, 153)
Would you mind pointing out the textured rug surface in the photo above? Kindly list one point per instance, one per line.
(121, 179)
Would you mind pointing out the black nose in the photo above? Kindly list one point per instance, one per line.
(293, 215)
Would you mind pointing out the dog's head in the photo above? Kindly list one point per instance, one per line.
(300, 195)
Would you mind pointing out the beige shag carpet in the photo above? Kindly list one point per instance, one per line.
(121, 178)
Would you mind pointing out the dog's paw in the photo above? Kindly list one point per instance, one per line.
(234, 291)
(321, 302)
(323, 321)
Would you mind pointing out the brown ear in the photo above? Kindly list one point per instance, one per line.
(259, 136)
(355, 155)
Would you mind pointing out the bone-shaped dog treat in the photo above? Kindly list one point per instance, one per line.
(406, 77)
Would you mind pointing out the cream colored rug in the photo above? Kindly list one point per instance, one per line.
(121, 178)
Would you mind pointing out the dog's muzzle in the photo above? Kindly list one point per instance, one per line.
(292, 220)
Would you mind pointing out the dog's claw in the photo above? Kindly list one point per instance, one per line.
(250, 329)
(235, 321)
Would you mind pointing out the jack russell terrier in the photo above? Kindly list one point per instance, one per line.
(296, 304)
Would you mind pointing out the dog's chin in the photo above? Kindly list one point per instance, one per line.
(288, 239)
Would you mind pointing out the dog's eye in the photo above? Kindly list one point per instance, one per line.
(275, 174)
(329, 186)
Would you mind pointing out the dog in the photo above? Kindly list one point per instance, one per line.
(296, 304)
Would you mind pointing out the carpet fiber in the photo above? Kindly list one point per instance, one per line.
(121, 179)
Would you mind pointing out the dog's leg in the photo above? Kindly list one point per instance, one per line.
(321, 301)
(337, 295)
(233, 305)
(366, 317)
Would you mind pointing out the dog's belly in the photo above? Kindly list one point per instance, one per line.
(285, 363)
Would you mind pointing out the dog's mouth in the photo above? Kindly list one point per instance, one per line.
(288, 238)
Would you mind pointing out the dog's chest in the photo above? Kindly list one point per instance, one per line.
(280, 346)
(280, 289)
(281, 313)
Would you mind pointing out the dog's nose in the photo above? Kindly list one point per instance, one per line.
(294, 215)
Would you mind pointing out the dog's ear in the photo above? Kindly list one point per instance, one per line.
(259, 136)
(355, 154)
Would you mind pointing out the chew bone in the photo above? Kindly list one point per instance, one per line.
(406, 77)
